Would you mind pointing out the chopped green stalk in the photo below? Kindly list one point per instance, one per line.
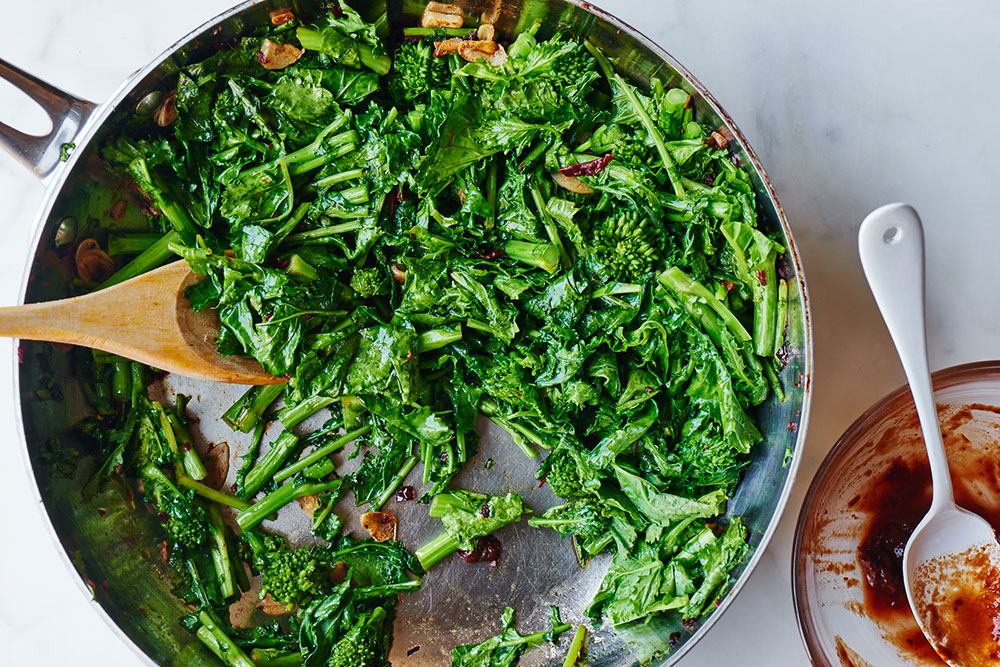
(301, 270)
(269, 464)
(492, 175)
(438, 338)
(545, 256)
(323, 233)
(781, 321)
(193, 465)
(518, 432)
(439, 548)
(293, 416)
(151, 258)
(577, 647)
(330, 41)
(393, 486)
(280, 497)
(334, 179)
(614, 289)
(222, 646)
(220, 552)
(270, 657)
(154, 188)
(678, 281)
(320, 453)
(247, 411)
(549, 225)
(436, 32)
(131, 243)
(121, 380)
(208, 493)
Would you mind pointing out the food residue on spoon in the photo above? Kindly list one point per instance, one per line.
(958, 598)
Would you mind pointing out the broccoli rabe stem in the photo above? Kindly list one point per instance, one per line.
(152, 257)
(416, 31)
(269, 657)
(180, 441)
(438, 338)
(121, 380)
(295, 415)
(577, 647)
(247, 411)
(320, 453)
(549, 225)
(208, 493)
(544, 256)
(321, 234)
(220, 553)
(130, 243)
(280, 497)
(313, 40)
(269, 464)
(221, 645)
(439, 548)
(334, 179)
(393, 486)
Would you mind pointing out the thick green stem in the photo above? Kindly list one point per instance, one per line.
(220, 553)
(549, 225)
(131, 243)
(393, 486)
(280, 497)
(577, 647)
(544, 256)
(269, 464)
(221, 645)
(436, 550)
(320, 453)
(208, 493)
(244, 414)
(293, 416)
(438, 338)
(151, 258)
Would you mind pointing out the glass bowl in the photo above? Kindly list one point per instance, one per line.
(870, 491)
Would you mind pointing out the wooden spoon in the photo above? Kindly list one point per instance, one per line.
(147, 319)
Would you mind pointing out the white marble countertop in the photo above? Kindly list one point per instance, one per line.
(849, 105)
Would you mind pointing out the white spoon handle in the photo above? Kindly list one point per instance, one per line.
(891, 243)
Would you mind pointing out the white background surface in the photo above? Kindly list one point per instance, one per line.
(848, 104)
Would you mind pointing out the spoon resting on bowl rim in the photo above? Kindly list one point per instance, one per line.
(951, 564)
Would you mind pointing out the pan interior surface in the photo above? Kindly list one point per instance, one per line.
(116, 549)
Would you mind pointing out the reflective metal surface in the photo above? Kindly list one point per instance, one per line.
(115, 550)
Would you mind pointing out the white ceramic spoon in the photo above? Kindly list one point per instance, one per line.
(891, 243)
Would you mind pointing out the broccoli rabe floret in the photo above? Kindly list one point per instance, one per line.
(623, 245)
(290, 576)
(415, 71)
(185, 522)
(569, 474)
(582, 518)
(369, 282)
(364, 645)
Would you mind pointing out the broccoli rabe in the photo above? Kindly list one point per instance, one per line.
(467, 516)
(415, 71)
(364, 645)
(506, 649)
(185, 522)
(623, 244)
(369, 282)
(290, 576)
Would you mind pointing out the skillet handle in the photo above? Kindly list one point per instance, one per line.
(41, 154)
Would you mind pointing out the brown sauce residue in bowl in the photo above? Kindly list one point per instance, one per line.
(894, 504)
(958, 596)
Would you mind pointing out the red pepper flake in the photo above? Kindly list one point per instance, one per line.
(792, 427)
(117, 211)
(484, 511)
(591, 168)
(101, 512)
(20, 354)
(729, 285)
(762, 277)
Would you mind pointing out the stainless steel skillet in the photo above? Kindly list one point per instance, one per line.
(112, 546)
